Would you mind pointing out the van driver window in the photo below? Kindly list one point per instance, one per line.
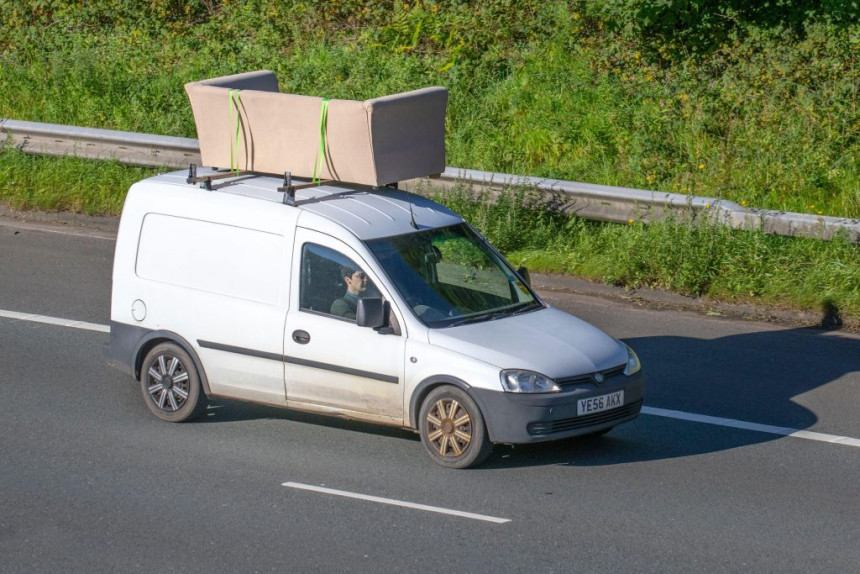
(331, 283)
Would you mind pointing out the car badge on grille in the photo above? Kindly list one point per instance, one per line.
(598, 378)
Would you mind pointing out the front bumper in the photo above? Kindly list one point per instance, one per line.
(514, 418)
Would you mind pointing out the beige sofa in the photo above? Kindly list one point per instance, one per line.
(375, 142)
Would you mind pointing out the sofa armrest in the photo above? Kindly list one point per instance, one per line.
(261, 80)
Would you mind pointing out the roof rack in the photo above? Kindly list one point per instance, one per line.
(288, 189)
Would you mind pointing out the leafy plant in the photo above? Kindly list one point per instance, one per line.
(753, 102)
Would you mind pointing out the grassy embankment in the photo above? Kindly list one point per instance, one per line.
(756, 105)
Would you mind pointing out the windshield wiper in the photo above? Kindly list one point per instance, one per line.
(479, 318)
(492, 315)
(532, 306)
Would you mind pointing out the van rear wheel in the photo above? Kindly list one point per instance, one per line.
(452, 429)
(171, 385)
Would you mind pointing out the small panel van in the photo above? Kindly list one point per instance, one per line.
(368, 303)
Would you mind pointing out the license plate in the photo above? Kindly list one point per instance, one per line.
(601, 403)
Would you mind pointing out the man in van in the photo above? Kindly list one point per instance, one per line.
(356, 284)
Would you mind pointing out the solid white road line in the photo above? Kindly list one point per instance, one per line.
(653, 411)
(53, 228)
(782, 431)
(33, 318)
(393, 502)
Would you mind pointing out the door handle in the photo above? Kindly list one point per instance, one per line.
(301, 337)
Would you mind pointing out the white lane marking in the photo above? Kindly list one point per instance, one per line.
(654, 411)
(33, 318)
(396, 502)
(782, 431)
(48, 228)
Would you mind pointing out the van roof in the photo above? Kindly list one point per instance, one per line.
(367, 212)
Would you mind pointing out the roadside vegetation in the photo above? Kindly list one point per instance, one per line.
(752, 102)
(693, 258)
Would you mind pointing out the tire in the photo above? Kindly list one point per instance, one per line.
(171, 385)
(452, 429)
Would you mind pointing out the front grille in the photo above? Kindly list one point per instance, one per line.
(564, 425)
(589, 378)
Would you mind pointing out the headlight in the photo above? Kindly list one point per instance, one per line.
(633, 364)
(514, 381)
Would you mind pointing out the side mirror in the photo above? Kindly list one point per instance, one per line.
(370, 312)
(524, 273)
(437, 253)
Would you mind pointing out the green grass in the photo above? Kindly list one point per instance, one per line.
(65, 184)
(756, 105)
(751, 102)
(756, 133)
(693, 258)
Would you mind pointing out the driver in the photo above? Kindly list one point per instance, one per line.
(356, 284)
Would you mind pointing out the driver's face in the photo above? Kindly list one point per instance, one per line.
(356, 283)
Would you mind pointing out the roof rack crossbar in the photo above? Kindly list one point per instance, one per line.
(206, 180)
(288, 189)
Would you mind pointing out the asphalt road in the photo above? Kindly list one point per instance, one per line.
(90, 481)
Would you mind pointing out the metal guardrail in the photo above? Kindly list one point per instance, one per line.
(590, 201)
(125, 147)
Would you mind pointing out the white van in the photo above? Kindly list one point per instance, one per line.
(360, 302)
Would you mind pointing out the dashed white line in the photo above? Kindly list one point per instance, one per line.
(393, 502)
(782, 431)
(33, 318)
(653, 411)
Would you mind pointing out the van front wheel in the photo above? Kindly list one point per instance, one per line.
(170, 384)
(452, 429)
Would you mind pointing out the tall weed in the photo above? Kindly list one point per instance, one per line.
(757, 103)
(695, 257)
(751, 102)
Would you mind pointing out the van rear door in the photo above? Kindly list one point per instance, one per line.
(222, 288)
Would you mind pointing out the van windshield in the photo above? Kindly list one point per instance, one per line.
(450, 276)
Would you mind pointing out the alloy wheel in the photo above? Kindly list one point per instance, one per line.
(449, 427)
(168, 383)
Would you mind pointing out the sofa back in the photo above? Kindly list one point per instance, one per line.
(375, 142)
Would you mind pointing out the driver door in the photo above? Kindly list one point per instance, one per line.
(331, 364)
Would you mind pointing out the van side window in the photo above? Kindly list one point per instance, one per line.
(331, 283)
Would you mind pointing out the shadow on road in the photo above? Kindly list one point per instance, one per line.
(226, 411)
(751, 377)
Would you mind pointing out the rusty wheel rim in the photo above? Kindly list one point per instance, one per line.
(449, 428)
